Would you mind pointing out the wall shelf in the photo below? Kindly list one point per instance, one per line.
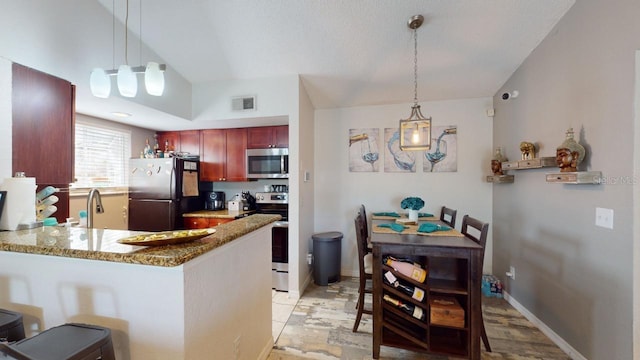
(500, 179)
(530, 164)
(578, 177)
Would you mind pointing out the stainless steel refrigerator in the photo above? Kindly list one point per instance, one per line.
(161, 190)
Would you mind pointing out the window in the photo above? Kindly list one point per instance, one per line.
(102, 156)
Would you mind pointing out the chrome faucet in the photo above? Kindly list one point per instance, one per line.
(94, 193)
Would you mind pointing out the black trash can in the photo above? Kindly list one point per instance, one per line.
(327, 249)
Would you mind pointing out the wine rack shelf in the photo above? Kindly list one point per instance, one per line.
(449, 276)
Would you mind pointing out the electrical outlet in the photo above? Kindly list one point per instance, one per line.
(512, 272)
(604, 218)
(309, 259)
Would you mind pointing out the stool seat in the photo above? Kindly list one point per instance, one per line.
(11, 326)
(64, 342)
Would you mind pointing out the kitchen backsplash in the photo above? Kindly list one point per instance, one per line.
(232, 188)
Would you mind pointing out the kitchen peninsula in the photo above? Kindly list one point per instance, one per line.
(208, 218)
(209, 298)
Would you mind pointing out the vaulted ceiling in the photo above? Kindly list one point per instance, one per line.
(348, 53)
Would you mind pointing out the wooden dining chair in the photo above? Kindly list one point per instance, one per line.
(448, 216)
(365, 266)
(362, 213)
(481, 230)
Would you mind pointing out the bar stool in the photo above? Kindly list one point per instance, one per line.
(65, 342)
(11, 326)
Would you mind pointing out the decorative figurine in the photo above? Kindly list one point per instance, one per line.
(496, 162)
(528, 150)
(569, 154)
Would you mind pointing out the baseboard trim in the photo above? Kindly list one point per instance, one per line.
(293, 294)
(264, 354)
(568, 349)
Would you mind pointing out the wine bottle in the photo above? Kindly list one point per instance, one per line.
(411, 270)
(415, 292)
(410, 309)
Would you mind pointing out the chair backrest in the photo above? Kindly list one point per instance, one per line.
(361, 240)
(448, 216)
(363, 215)
(480, 227)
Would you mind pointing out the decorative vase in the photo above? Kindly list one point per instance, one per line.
(413, 215)
(496, 162)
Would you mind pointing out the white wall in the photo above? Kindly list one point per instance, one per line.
(636, 215)
(212, 102)
(305, 140)
(338, 192)
(573, 276)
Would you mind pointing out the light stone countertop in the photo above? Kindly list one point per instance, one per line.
(101, 244)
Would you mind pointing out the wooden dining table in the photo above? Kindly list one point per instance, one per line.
(453, 263)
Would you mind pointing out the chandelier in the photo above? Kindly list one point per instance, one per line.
(126, 76)
(415, 132)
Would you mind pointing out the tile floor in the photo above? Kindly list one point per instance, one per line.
(281, 309)
(318, 326)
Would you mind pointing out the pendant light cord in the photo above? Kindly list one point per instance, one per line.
(126, 35)
(113, 34)
(415, 66)
(140, 22)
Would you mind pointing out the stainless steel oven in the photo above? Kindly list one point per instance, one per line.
(277, 203)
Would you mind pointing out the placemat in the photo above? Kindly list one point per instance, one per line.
(413, 230)
(379, 217)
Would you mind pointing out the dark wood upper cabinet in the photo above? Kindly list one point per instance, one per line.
(223, 156)
(213, 157)
(43, 109)
(268, 137)
(169, 140)
(187, 141)
(190, 142)
(236, 155)
(281, 136)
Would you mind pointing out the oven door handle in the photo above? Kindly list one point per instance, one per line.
(281, 224)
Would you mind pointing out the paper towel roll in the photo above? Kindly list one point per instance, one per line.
(20, 203)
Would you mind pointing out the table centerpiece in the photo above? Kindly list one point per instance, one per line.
(413, 204)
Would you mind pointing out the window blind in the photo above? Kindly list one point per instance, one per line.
(102, 156)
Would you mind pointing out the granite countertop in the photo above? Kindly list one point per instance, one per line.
(101, 244)
(218, 214)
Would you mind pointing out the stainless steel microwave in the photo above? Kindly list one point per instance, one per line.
(268, 163)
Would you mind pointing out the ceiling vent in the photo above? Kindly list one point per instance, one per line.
(243, 103)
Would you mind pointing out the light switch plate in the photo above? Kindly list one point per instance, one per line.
(604, 218)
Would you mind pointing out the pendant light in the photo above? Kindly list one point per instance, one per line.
(154, 79)
(415, 131)
(100, 83)
(127, 80)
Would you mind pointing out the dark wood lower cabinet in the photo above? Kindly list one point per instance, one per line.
(203, 222)
(454, 272)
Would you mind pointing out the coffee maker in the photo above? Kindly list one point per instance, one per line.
(214, 200)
